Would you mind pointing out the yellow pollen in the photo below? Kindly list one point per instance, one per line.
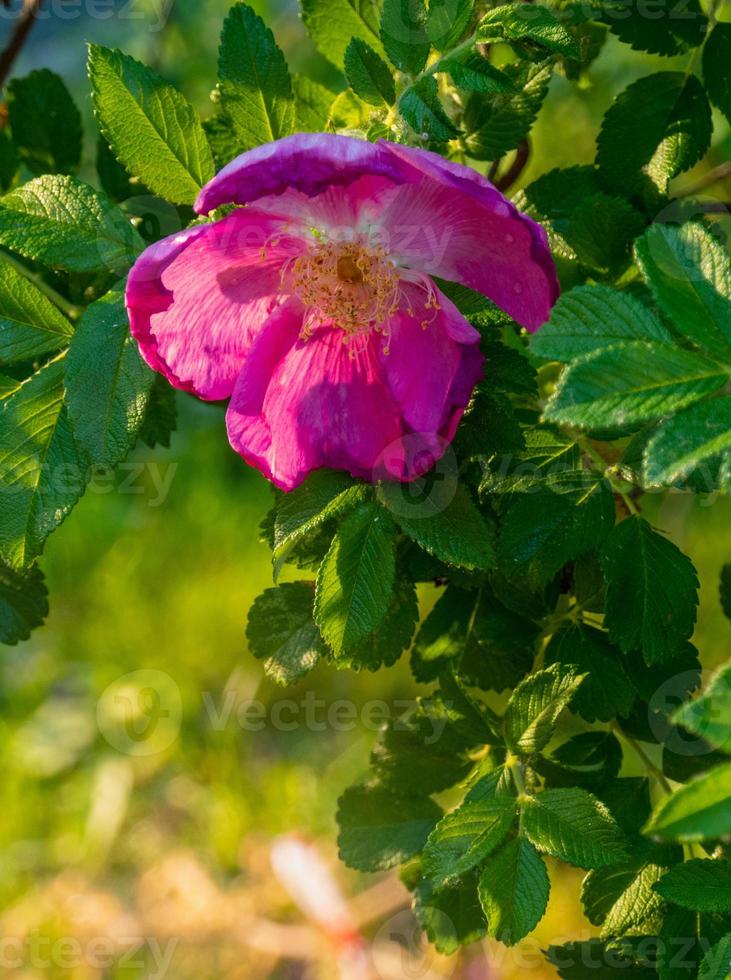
(350, 285)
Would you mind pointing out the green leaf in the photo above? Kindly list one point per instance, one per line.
(404, 35)
(500, 647)
(465, 837)
(368, 74)
(450, 917)
(688, 440)
(548, 460)
(23, 602)
(716, 964)
(9, 160)
(514, 891)
(652, 591)
(385, 644)
(589, 760)
(66, 224)
(324, 495)
(622, 898)
(8, 385)
(662, 122)
(107, 382)
(333, 23)
(699, 810)
(256, 90)
(591, 318)
(446, 523)
(534, 708)
(45, 123)
(667, 30)
(527, 22)
(160, 419)
(689, 274)
(42, 472)
(473, 73)
(574, 826)
(355, 580)
(447, 21)
(421, 108)
(606, 691)
(498, 123)
(632, 381)
(379, 829)
(592, 960)
(152, 128)
(717, 67)
(701, 885)
(543, 530)
(443, 633)
(709, 715)
(600, 231)
(281, 631)
(30, 325)
(312, 103)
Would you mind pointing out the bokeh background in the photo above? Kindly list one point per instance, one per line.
(142, 804)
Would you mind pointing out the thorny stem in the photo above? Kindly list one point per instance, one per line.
(31, 9)
(71, 311)
(516, 168)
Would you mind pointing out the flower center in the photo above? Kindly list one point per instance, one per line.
(350, 285)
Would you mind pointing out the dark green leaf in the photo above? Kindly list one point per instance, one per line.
(161, 417)
(591, 318)
(368, 74)
(717, 67)
(725, 590)
(527, 22)
(447, 21)
(65, 224)
(151, 127)
(30, 325)
(451, 917)
(42, 472)
(600, 231)
(464, 838)
(379, 829)
(534, 708)
(312, 103)
(474, 73)
(355, 580)
(107, 382)
(665, 29)
(23, 602)
(443, 634)
(256, 90)
(446, 522)
(385, 644)
(498, 123)
(702, 885)
(421, 108)
(652, 591)
(281, 631)
(45, 123)
(591, 960)
(500, 647)
(662, 122)
(404, 35)
(9, 160)
(574, 826)
(514, 891)
(589, 760)
(333, 23)
(632, 381)
(606, 691)
(716, 964)
(689, 274)
(690, 439)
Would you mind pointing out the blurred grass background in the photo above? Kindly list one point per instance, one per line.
(104, 835)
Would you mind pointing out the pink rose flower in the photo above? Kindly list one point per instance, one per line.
(313, 309)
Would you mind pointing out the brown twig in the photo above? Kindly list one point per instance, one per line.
(515, 169)
(715, 176)
(31, 9)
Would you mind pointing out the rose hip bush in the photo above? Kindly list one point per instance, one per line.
(355, 276)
